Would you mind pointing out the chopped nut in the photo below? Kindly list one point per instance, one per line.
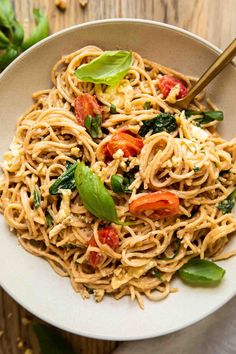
(1, 334)
(25, 321)
(83, 3)
(9, 315)
(61, 4)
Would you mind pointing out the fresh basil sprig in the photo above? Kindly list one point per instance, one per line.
(164, 122)
(36, 199)
(207, 117)
(94, 194)
(109, 68)
(64, 181)
(40, 32)
(12, 33)
(200, 272)
(51, 341)
(227, 205)
(93, 126)
(120, 184)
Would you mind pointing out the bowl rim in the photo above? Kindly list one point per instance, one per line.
(21, 57)
(60, 33)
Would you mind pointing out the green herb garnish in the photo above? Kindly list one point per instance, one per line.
(227, 205)
(120, 184)
(93, 126)
(109, 68)
(51, 341)
(156, 273)
(200, 272)
(175, 254)
(65, 181)
(36, 199)
(207, 117)
(113, 109)
(49, 219)
(94, 194)
(147, 105)
(12, 33)
(196, 169)
(163, 122)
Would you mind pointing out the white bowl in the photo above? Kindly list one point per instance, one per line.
(30, 280)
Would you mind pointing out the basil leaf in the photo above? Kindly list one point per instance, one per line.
(17, 34)
(163, 122)
(36, 199)
(7, 15)
(9, 55)
(109, 68)
(94, 194)
(40, 32)
(208, 116)
(227, 205)
(120, 184)
(200, 272)
(51, 341)
(113, 109)
(65, 181)
(147, 105)
(4, 41)
(93, 126)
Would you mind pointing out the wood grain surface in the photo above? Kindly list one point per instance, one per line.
(214, 20)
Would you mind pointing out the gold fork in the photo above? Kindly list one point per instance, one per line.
(208, 75)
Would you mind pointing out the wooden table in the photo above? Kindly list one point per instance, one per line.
(214, 20)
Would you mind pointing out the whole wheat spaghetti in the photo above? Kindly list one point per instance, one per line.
(191, 162)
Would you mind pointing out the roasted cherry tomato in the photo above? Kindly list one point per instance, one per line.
(166, 83)
(108, 235)
(130, 143)
(86, 104)
(162, 204)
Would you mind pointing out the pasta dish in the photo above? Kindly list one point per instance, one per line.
(113, 185)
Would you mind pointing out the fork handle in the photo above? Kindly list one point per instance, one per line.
(211, 72)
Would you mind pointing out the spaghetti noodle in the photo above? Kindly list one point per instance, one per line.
(191, 162)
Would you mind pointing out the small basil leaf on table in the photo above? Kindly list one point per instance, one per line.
(40, 32)
(200, 272)
(226, 206)
(109, 68)
(94, 194)
(50, 340)
(163, 122)
(93, 126)
(64, 181)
